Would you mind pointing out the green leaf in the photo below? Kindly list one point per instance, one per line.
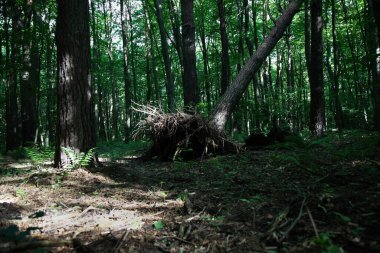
(159, 225)
(343, 218)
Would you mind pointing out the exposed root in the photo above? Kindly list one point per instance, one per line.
(180, 134)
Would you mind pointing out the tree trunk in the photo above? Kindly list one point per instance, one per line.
(152, 54)
(233, 94)
(96, 76)
(375, 9)
(206, 65)
(11, 115)
(307, 36)
(165, 53)
(176, 29)
(248, 42)
(225, 79)
(190, 80)
(50, 93)
(133, 53)
(317, 103)
(127, 82)
(75, 127)
(337, 106)
(29, 79)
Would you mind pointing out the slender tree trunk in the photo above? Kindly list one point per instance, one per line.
(133, 52)
(50, 93)
(190, 80)
(152, 53)
(127, 82)
(114, 90)
(75, 127)
(248, 41)
(307, 35)
(337, 106)
(225, 79)
(96, 76)
(317, 103)
(148, 69)
(174, 18)
(165, 53)
(351, 46)
(28, 88)
(374, 6)
(206, 66)
(255, 78)
(229, 100)
(11, 115)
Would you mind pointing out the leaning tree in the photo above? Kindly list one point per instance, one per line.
(174, 132)
(75, 126)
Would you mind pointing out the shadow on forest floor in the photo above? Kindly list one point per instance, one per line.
(322, 195)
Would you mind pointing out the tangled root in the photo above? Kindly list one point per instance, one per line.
(180, 135)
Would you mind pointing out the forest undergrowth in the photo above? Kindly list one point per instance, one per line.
(310, 196)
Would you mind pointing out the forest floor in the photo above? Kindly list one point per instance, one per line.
(317, 196)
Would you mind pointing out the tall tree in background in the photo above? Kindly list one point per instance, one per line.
(11, 114)
(225, 79)
(317, 103)
(190, 79)
(165, 54)
(75, 126)
(337, 106)
(28, 82)
(127, 81)
(374, 7)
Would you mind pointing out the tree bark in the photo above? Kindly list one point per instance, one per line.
(127, 81)
(96, 76)
(317, 103)
(233, 94)
(225, 79)
(176, 29)
(248, 42)
(50, 93)
(152, 54)
(375, 9)
(190, 80)
(337, 106)
(165, 53)
(28, 84)
(206, 65)
(75, 127)
(11, 111)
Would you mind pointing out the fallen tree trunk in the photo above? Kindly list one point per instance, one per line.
(234, 93)
(173, 133)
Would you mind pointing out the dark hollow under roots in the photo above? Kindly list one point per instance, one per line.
(181, 135)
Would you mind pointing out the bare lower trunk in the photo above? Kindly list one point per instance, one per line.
(229, 100)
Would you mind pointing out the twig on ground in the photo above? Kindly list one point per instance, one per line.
(120, 242)
(176, 238)
(312, 222)
(296, 220)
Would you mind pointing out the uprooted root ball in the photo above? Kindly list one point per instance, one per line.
(181, 135)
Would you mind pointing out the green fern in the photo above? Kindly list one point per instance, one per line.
(78, 159)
